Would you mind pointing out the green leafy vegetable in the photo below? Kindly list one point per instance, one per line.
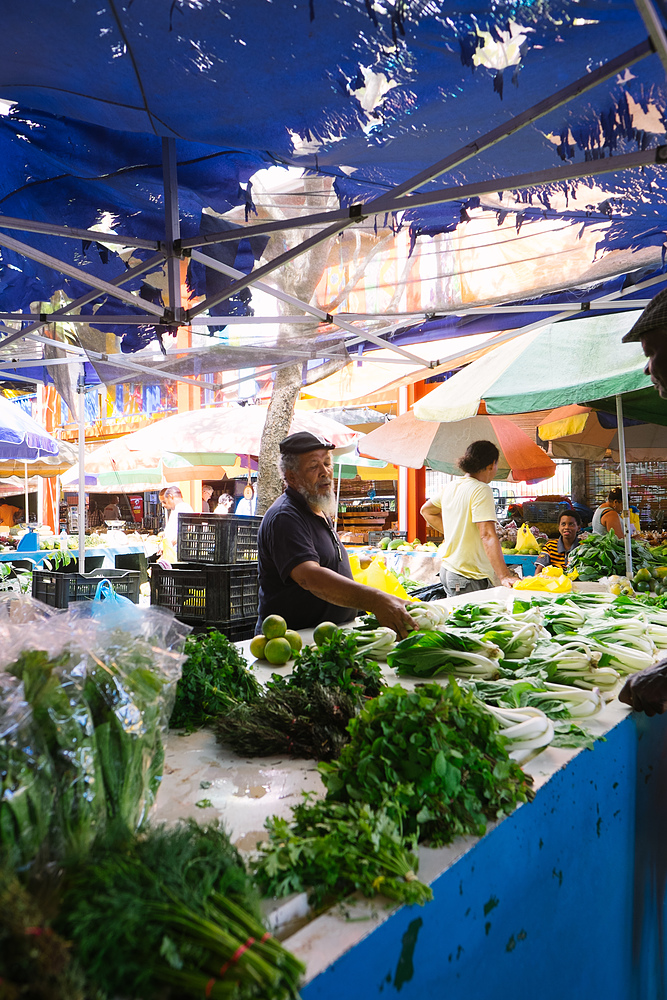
(173, 909)
(332, 848)
(435, 750)
(214, 676)
(336, 663)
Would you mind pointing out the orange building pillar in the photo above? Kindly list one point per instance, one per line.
(416, 486)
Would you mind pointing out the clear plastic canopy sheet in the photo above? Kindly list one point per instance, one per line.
(363, 97)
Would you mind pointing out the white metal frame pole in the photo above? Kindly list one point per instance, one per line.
(81, 392)
(624, 487)
(25, 492)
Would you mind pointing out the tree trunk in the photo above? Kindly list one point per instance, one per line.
(278, 419)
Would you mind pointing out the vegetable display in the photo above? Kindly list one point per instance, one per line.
(597, 556)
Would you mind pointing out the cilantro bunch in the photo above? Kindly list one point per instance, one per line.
(338, 662)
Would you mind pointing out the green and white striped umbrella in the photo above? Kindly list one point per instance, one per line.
(579, 361)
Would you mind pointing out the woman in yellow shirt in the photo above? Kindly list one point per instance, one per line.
(465, 513)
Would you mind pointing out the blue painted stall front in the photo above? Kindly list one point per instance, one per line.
(543, 905)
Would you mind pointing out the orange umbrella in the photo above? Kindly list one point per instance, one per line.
(414, 443)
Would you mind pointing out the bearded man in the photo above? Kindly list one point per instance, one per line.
(304, 571)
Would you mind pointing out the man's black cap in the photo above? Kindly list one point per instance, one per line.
(303, 441)
(655, 315)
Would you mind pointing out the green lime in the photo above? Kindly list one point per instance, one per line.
(257, 645)
(274, 626)
(294, 639)
(277, 651)
(324, 631)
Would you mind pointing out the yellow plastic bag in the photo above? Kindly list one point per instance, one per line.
(546, 581)
(376, 575)
(526, 541)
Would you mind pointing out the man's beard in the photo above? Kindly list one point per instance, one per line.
(324, 502)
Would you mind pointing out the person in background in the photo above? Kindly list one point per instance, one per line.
(465, 514)
(95, 518)
(206, 494)
(557, 550)
(225, 503)
(248, 502)
(112, 510)
(304, 571)
(607, 516)
(172, 500)
(9, 515)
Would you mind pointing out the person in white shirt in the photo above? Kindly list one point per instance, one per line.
(225, 503)
(248, 502)
(172, 500)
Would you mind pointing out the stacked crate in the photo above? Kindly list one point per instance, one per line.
(214, 584)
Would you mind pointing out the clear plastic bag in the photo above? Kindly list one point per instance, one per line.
(101, 680)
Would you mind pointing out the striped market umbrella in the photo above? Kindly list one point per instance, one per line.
(414, 443)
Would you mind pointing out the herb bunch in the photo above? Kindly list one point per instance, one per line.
(290, 720)
(172, 914)
(333, 848)
(436, 751)
(338, 662)
(214, 677)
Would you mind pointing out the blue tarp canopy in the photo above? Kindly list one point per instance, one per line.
(140, 124)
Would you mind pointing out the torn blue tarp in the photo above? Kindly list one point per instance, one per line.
(366, 93)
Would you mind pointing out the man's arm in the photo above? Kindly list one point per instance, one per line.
(612, 522)
(433, 516)
(336, 589)
(491, 543)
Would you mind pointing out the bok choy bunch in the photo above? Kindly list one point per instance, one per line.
(431, 654)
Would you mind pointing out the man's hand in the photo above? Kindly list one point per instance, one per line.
(646, 691)
(508, 581)
(390, 612)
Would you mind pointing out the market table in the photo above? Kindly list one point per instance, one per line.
(556, 899)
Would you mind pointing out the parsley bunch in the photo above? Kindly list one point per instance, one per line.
(214, 675)
(336, 663)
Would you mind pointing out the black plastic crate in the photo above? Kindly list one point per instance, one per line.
(217, 538)
(375, 537)
(204, 594)
(59, 589)
(543, 511)
(236, 631)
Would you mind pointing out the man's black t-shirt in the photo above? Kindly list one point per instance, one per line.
(289, 535)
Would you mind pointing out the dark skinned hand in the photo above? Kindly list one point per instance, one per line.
(646, 691)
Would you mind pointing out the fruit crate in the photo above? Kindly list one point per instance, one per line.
(217, 538)
(60, 589)
(206, 595)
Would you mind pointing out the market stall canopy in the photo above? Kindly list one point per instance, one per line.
(414, 443)
(21, 437)
(580, 432)
(203, 436)
(582, 361)
(46, 467)
(365, 98)
(116, 464)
